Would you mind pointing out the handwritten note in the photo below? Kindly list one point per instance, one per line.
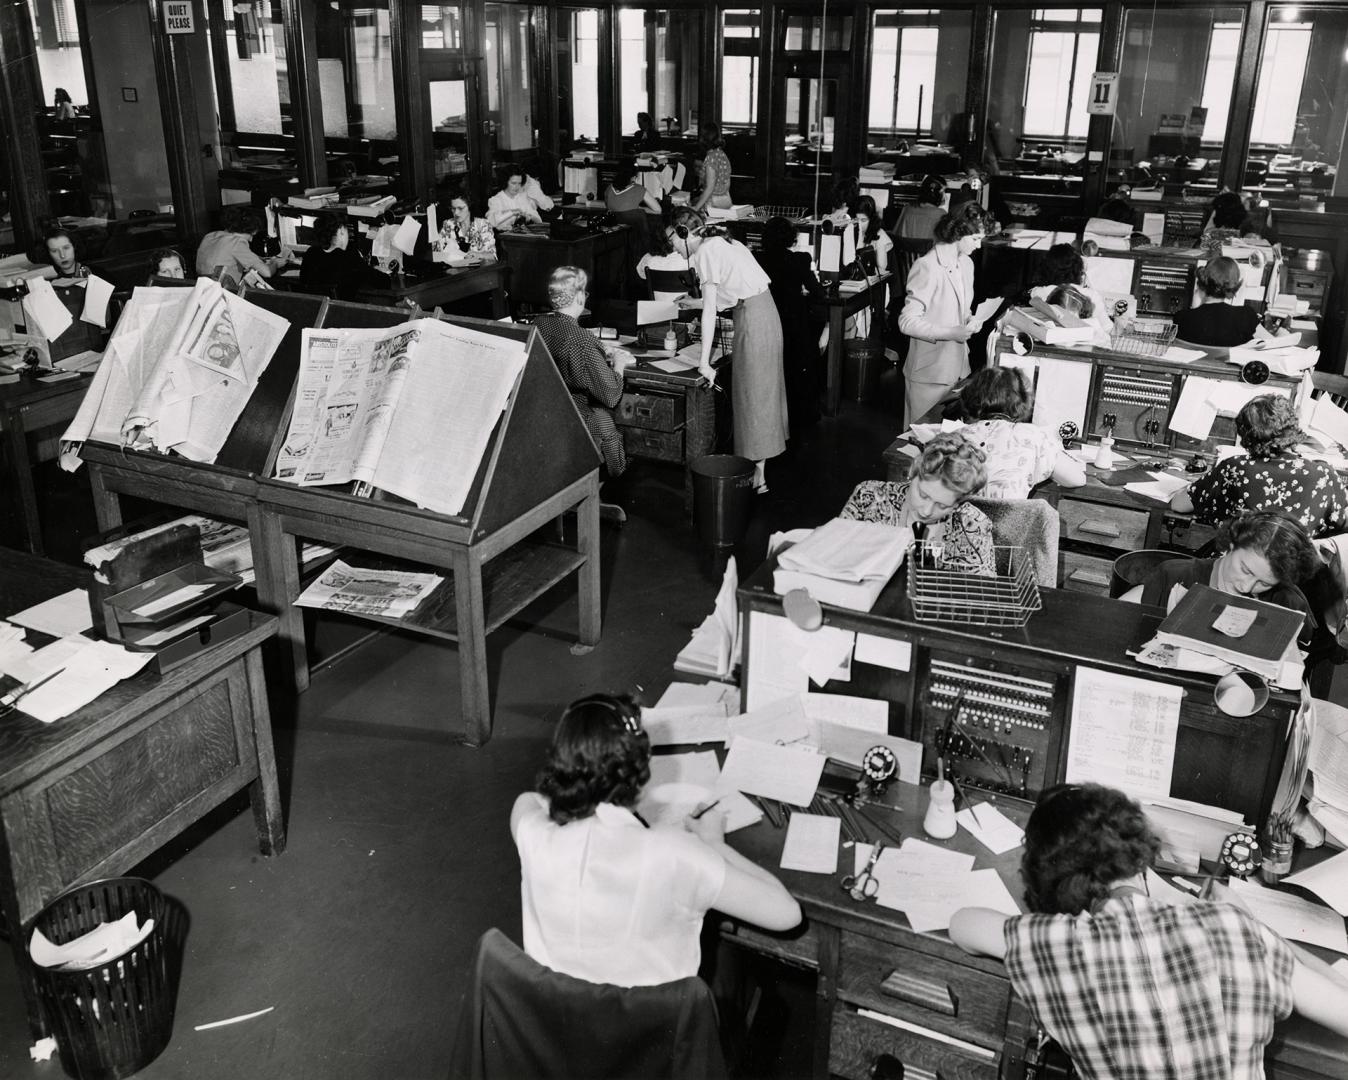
(1123, 732)
(1235, 622)
(991, 828)
(788, 774)
(812, 844)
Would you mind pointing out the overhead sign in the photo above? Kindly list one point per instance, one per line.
(178, 17)
(1104, 93)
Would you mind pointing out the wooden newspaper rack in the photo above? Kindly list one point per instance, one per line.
(539, 464)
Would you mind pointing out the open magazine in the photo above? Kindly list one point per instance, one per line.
(409, 409)
(177, 372)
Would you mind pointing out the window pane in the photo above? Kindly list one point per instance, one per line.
(255, 46)
(678, 44)
(632, 64)
(578, 64)
(1047, 83)
(1282, 73)
(807, 33)
(739, 71)
(510, 86)
(441, 27)
(1219, 80)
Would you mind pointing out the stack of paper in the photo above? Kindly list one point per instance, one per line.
(929, 883)
(85, 669)
(387, 594)
(1281, 354)
(714, 650)
(1328, 422)
(737, 212)
(846, 563)
(682, 784)
(1328, 762)
(1241, 630)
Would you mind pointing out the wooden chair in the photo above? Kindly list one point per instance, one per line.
(670, 281)
(1334, 387)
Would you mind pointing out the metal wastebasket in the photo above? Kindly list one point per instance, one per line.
(1132, 568)
(863, 360)
(723, 497)
(112, 1020)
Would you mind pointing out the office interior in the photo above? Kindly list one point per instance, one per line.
(362, 934)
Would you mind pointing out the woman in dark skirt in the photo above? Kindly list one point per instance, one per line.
(793, 283)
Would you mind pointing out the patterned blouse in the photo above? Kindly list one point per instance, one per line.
(1019, 456)
(481, 237)
(1308, 491)
(716, 172)
(965, 538)
(595, 387)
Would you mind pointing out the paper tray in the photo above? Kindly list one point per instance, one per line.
(141, 605)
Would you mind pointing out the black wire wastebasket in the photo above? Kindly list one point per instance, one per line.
(112, 1020)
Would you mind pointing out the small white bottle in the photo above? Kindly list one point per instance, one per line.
(1104, 453)
(671, 340)
(940, 820)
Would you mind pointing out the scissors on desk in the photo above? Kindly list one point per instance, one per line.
(864, 886)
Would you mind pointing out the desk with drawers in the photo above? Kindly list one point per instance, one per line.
(667, 416)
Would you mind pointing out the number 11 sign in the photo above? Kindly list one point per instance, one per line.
(1104, 93)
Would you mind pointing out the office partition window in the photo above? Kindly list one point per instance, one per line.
(355, 71)
(441, 27)
(578, 74)
(739, 70)
(919, 72)
(512, 107)
(1176, 79)
(658, 68)
(254, 89)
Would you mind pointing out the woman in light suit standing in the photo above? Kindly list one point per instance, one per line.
(937, 312)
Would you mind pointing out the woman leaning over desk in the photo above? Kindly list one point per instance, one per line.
(1270, 476)
(730, 276)
(937, 311)
(933, 503)
(605, 897)
(1135, 985)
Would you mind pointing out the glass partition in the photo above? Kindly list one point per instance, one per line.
(739, 70)
(658, 68)
(1300, 107)
(1176, 79)
(511, 106)
(441, 27)
(355, 71)
(577, 48)
(253, 88)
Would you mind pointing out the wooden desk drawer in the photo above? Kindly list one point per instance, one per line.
(1099, 523)
(1307, 284)
(660, 412)
(856, 1041)
(1085, 573)
(928, 990)
(660, 445)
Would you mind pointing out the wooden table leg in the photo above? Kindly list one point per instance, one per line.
(837, 319)
(264, 792)
(587, 577)
(499, 307)
(22, 468)
(9, 919)
(107, 503)
(470, 602)
(276, 566)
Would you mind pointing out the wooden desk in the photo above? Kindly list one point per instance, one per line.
(95, 793)
(667, 416)
(26, 408)
(443, 290)
(532, 257)
(836, 308)
(930, 983)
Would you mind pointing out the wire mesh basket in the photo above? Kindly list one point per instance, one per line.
(791, 213)
(938, 594)
(1143, 337)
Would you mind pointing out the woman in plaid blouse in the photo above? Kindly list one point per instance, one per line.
(1135, 986)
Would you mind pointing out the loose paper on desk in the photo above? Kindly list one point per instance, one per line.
(983, 312)
(656, 311)
(44, 311)
(97, 293)
(1110, 277)
(913, 857)
(677, 725)
(676, 363)
(812, 844)
(1161, 486)
(687, 693)
(1062, 392)
(1330, 420)
(60, 616)
(1123, 732)
(1291, 916)
(97, 667)
(1328, 880)
(405, 239)
(789, 774)
(893, 653)
(698, 767)
(1194, 414)
(991, 828)
(1328, 756)
(782, 721)
(929, 900)
(863, 714)
(1179, 355)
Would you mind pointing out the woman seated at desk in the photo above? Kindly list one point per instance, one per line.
(1218, 321)
(521, 200)
(1064, 266)
(466, 232)
(1265, 555)
(332, 268)
(873, 243)
(227, 248)
(166, 263)
(1270, 476)
(1132, 984)
(605, 897)
(624, 194)
(933, 503)
(997, 404)
(663, 256)
(918, 221)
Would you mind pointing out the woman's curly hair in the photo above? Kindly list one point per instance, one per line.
(326, 228)
(1268, 426)
(953, 460)
(1080, 840)
(1281, 541)
(997, 392)
(599, 754)
(966, 219)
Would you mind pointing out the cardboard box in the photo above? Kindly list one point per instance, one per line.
(165, 599)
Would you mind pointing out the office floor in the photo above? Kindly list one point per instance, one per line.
(399, 856)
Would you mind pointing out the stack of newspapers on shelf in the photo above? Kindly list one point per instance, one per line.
(844, 563)
(1328, 784)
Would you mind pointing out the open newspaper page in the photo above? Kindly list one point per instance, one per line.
(390, 594)
(147, 324)
(458, 386)
(201, 382)
(350, 383)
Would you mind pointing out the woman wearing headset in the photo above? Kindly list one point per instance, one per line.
(730, 277)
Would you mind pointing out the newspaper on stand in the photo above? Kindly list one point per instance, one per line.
(409, 409)
(388, 594)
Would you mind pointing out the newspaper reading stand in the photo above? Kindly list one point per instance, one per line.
(538, 464)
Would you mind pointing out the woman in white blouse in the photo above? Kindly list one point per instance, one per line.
(519, 200)
(730, 277)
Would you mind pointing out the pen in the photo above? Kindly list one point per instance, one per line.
(709, 805)
(964, 798)
(18, 693)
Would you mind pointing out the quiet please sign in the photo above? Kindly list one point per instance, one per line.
(178, 17)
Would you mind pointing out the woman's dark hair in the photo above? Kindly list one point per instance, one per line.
(1081, 839)
(844, 192)
(1220, 278)
(240, 219)
(954, 461)
(965, 220)
(1228, 211)
(932, 191)
(1271, 533)
(778, 234)
(160, 254)
(1116, 208)
(1073, 299)
(476, 207)
(325, 230)
(997, 392)
(624, 174)
(1267, 426)
(599, 753)
(866, 205)
(659, 240)
(55, 231)
(709, 136)
(61, 95)
(1062, 265)
(508, 170)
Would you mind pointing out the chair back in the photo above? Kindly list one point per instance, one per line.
(907, 251)
(1334, 387)
(670, 281)
(1030, 524)
(523, 1019)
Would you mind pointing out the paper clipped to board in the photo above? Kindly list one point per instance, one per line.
(1123, 732)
